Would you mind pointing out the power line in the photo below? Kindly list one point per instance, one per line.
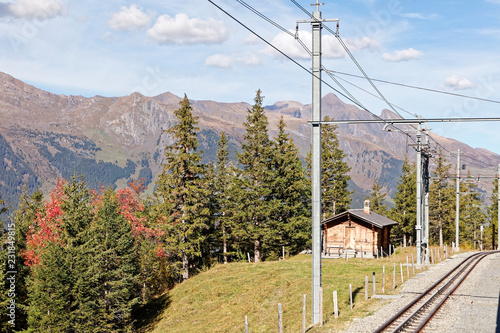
(349, 53)
(352, 98)
(301, 66)
(422, 88)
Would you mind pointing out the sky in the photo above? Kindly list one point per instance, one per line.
(113, 48)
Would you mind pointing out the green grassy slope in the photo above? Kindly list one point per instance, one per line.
(218, 300)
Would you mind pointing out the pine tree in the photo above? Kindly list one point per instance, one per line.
(405, 210)
(109, 287)
(377, 198)
(50, 291)
(441, 204)
(491, 234)
(59, 245)
(24, 216)
(8, 323)
(471, 213)
(255, 227)
(183, 195)
(223, 197)
(291, 193)
(335, 195)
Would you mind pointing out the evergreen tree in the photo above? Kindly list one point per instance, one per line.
(471, 213)
(223, 197)
(377, 198)
(109, 288)
(182, 194)
(7, 323)
(335, 195)
(253, 212)
(405, 210)
(291, 193)
(50, 291)
(491, 234)
(23, 218)
(53, 291)
(441, 204)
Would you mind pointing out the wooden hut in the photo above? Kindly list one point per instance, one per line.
(356, 233)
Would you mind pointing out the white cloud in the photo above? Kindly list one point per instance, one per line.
(456, 82)
(250, 60)
(130, 18)
(331, 48)
(36, 9)
(420, 16)
(219, 60)
(184, 30)
(225, 61)
(402, 55)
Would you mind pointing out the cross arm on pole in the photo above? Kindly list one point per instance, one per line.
(402, 121)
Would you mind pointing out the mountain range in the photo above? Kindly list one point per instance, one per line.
(112, 140)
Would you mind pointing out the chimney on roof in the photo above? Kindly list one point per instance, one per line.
(367, 207)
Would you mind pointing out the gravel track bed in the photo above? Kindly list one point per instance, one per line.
(416, 285)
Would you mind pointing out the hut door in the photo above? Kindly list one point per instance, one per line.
(350, 240)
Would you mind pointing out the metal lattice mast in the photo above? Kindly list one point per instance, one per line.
(457, 208)
(316, 22)
(418, 225)
(316, 165)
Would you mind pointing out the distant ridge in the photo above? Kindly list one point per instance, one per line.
(122, 138)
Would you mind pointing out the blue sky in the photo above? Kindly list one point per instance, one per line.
(113, 48)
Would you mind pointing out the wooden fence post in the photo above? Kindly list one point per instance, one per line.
(246, 324)
(304, 314)
(366, 287)
(374, 285)
(401, 266)
(335, 304)
(280, 318)
(350, 294)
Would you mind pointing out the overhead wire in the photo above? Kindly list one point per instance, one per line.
(287, 56)
(422, 88)
(349, 53)
(346, 92)
(370, 80)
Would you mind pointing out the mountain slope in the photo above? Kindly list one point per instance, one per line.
(114, 139)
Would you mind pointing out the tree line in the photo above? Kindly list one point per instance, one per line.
(89, 259)
(474, 213)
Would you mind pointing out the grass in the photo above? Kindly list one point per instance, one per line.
(219, 299)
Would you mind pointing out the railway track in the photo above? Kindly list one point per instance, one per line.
(417, 314)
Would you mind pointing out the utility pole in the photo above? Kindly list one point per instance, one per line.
(317, 24)
(425, 170)
(457, 209)
(418, 226)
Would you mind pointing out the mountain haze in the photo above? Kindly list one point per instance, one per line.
(112, 140)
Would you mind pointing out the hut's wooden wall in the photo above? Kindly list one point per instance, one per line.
(351, 236)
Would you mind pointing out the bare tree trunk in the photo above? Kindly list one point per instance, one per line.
(185, 266)
(224, 244)
(440, 235)
(404, 240)
(257, 251)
